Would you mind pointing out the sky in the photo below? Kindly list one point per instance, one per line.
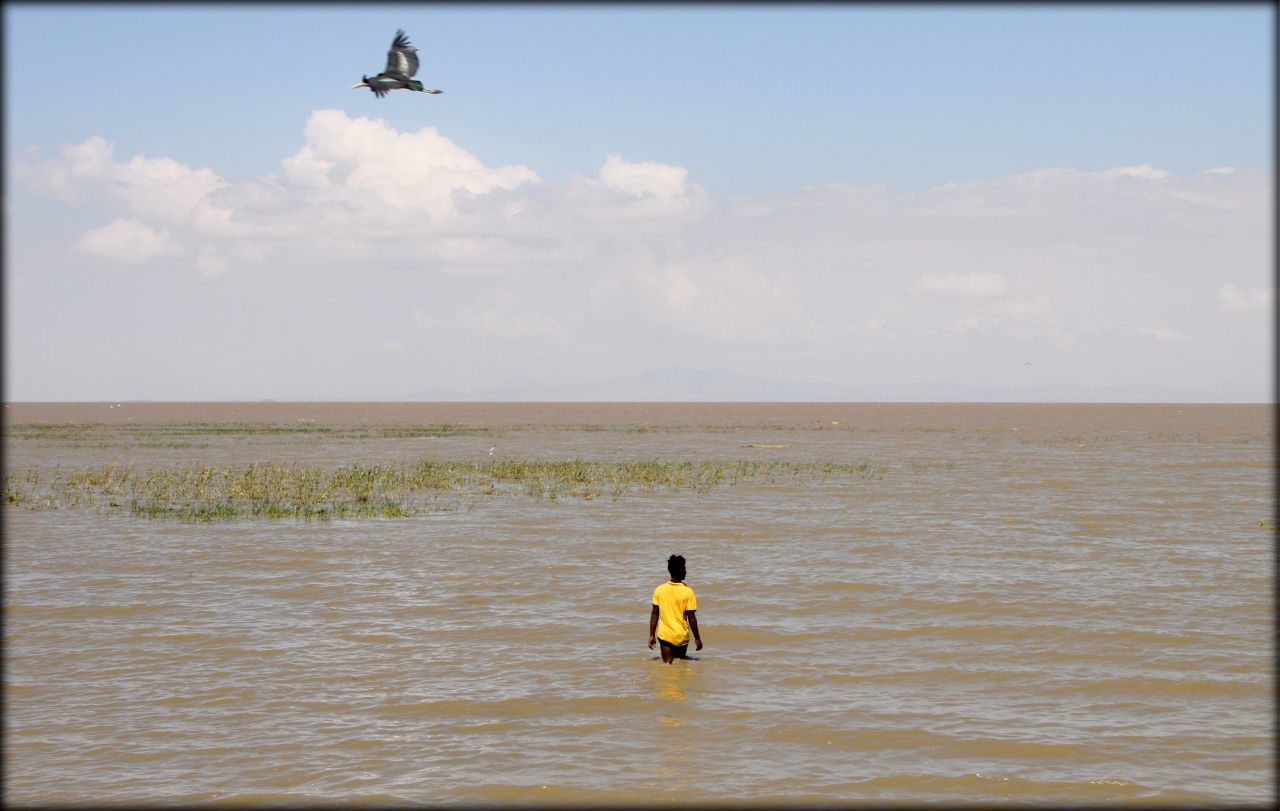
(820, 199)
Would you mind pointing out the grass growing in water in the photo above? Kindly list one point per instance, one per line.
(266, 490)
(178, 435)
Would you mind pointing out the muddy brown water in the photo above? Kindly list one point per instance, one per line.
(1028, 603)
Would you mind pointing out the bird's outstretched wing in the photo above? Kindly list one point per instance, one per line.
(402, 59)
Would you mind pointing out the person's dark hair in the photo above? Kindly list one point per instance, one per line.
(675, 563)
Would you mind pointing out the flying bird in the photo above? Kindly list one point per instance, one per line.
(402, 64)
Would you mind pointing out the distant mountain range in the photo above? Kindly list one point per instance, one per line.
(720, 385)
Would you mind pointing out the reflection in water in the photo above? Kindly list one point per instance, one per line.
(669, 680)
(672, 686)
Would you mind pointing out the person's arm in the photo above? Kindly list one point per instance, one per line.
(692, 617)
(653, 627)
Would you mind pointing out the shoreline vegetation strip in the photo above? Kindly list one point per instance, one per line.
(200, 434)
(267, 490)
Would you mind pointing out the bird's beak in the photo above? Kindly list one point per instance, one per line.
(362, 84)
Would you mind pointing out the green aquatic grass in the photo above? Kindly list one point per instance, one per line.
(273, 491)
(178, 435)
(200, 434)
(192, 434)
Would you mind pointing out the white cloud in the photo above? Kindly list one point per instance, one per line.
(1231, 297)
(163, 188)
(967, 324)
(635, 196)
(1220, 170)
(1143, 172)
(417, 172)
(633, 254)
(303, 168)
(1061, 182)
(961, 286)
(92, 158)
(209, 264)
(643, 179)
(425, 201)
(127, 241)
(500, 321)
(354, 182)
(1035, 306)
(153, 188)
(1164, 334)
(724, 300)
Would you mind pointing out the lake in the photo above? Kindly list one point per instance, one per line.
(987, 603)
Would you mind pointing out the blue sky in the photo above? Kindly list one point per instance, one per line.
(757, 97)
(775, 108)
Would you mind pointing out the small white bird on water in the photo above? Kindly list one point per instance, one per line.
(491, 450)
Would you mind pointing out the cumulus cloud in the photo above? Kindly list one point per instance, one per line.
(357, 182)
(637, 194)
(643, 179)
(1231, 297)
(354, 180)
(304, 168)
(419, 172)
(155, 188)
(633, 251)
(127, 241)
(961, 286)
(1142, 172)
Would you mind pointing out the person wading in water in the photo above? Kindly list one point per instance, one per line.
(674, 615)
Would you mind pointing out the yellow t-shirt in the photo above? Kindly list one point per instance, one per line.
(672, 600)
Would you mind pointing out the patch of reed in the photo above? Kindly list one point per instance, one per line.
(274, 491)
(71, 432)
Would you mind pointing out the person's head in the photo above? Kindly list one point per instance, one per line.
(675, 565)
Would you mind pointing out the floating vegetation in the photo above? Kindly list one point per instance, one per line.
(265, 490)
(176, 435)
(181, 434)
